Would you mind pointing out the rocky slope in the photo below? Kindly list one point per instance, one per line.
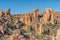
(30, 26)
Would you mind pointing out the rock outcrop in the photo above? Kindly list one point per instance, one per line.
(2, 14)
(7, 12)
(49, 16)
(29, 26)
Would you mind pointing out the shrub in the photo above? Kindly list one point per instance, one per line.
(49, 24)
(9, 32)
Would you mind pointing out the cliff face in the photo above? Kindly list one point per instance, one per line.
(30, 26)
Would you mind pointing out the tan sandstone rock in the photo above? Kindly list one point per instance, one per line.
(1, 13)
(48, 16)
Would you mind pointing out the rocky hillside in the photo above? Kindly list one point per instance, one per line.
(30, 26)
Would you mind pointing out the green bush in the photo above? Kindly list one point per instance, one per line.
(9, 32)
(49, 24)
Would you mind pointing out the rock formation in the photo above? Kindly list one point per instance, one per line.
(29, 26)
(7, 12)
(49, 16)
(35, 14)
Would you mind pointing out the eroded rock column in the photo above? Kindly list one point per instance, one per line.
(46, 16)
(35, 14)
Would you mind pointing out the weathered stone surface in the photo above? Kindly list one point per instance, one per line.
(35, 14)
(49, 16)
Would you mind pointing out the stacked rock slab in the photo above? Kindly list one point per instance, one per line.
(49, 16)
